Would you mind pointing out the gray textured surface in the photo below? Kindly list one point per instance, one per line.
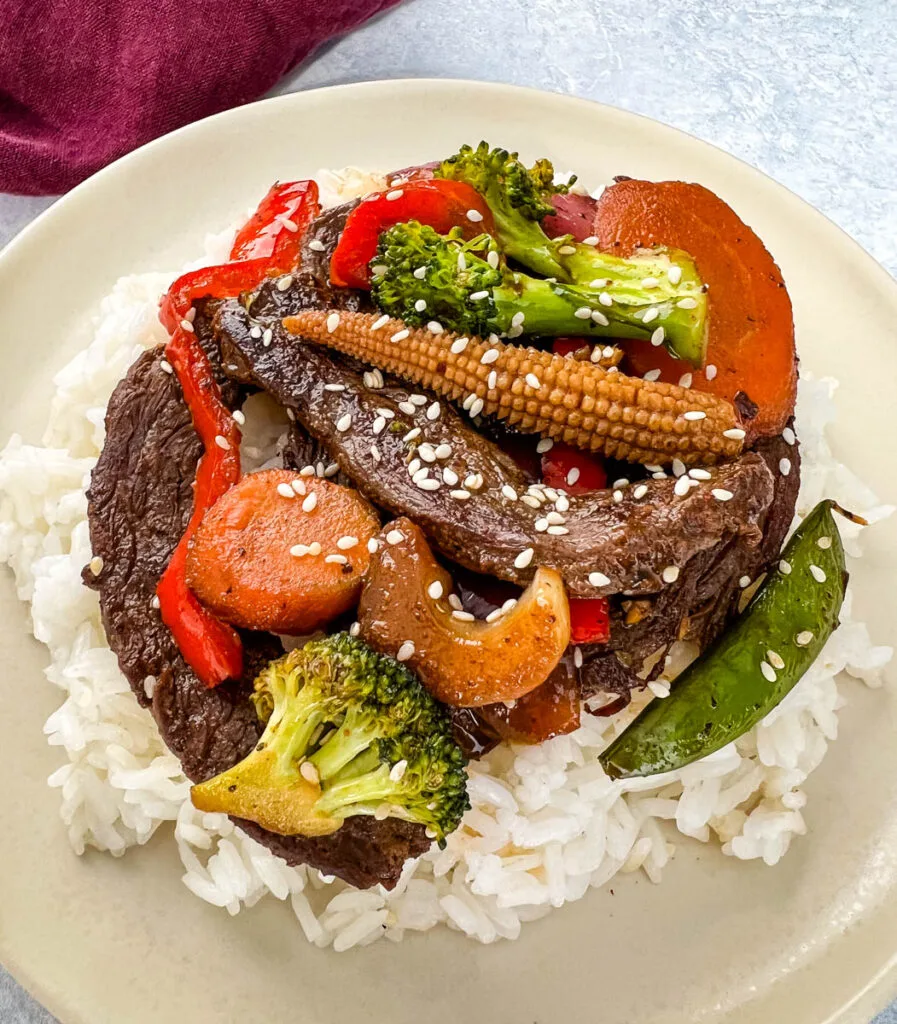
(806, 90)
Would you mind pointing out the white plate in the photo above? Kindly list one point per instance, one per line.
(98, 939)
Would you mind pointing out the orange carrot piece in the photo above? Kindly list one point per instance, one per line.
(282, 552)
(751, 330)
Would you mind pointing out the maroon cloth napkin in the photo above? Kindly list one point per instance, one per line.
(84, 81)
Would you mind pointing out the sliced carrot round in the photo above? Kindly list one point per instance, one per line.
(751, 329)
(282, 552)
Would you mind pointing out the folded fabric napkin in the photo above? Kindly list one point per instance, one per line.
(84, 81)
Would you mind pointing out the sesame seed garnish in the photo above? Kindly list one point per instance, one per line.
(299, 550)
(308, 772)
(555, 518)
(286, 491)
(529, 499)
(284, 283)
(373, 379)
(495, 615)
(479, 296)
(687, 303)
(403, 654)
(373, 545)
(291, 416)
(804, 638)
(433, 411)
(375, 453)
(541, 525)
(618, 497)
(685, 380)
(734, 434)
(337, 559)
(769, 673)
(583, 313)
(412, 434)
(674, 274)
(344, 422)
(396, 193)
(307, 471)
(96, 565)
(710, 371)
(659, 689)
(425, 451)
(420, 273)
(222, 442)
(382, 812)
(785, 466)
(435, 327)
(455, 601)
(558, 531)
(476, 408)
(380, 322)
(652, 375)
(460, 494)
(670, 574)
(435, 590)
(155, 604)
(238, 417)
(400, 335)
(788, 436)
(474, 482)
(681, 487)
(744, 582)
(694, 415)
(776, 660)
(165, 366)
(458, 346)
(657, 339)
(650, 282)
(489, 356)
(474, 216)
(408, 408)
(517, 319)
(721, 494)
(400, 767)
(463, 616)
(255, 332)
(567, 250)
(267, 335)
(344, 543)
(650, 314)
(332, 322)
(533, 381)
(492, 380)
(418, 400)
(450, 477)
(545, 445)
(818, 573)
(508, 491)
(492, 259)
(524, 558)
(314, 548)
(599, 318)
(591, 240)
(290, 225)
(316, 245)
(310, 502)
(640, 491)
(700, 474)
(573, 476)
(395, 537)
(598, 579)
(605, 299)
(335, 387)
(378, 425)
(678, 468)
(429, 484)
(824, 542)
(331, 469)
(785, 568)
(561, 504)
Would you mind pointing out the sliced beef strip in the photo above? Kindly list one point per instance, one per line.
(631, 542)
(140, 500)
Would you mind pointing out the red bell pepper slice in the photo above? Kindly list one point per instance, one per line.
(439, 203)
(267, 245)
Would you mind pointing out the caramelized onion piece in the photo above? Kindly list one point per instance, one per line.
(462, 663)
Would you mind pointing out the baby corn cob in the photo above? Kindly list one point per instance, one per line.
(538, 392)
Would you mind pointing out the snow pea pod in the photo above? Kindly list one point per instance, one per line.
(752, 666)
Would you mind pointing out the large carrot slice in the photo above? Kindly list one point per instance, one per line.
(282, 552)
(751, 330)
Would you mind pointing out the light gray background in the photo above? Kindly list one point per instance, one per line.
(806, 90)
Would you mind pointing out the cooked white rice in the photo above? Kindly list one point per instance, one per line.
(546, 823)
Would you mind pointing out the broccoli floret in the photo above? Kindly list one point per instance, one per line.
(467, 287)
(348, 732)
(519, 198)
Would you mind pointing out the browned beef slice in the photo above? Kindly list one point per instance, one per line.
(631, 542)
(140, 500)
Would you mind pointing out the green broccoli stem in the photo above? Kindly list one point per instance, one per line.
(345, 743)
(360, 794)
(525, 241)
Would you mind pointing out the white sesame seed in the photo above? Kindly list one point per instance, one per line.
(450, 477)
(678, 468)
(474, 216)
(685, 380)
(804, 638)
(599, 318)
(785, 466)
(337, 559)
(489, 356)
(541, 525)
(640, 491)
(308, 772)
(650, 282)
(657, 339)
(284, 283)
(687, 303)
(455, 602)
(255, 332)
(420, 273)
(785, 568)
(531, 500)
(344, 422)
(316, 245)
(378, 425)
(694, 415)
(395, 537)
(403, 654)
(818, 574)
(222, 442)
(567, 250)
(463, 616)
(788, 436)
(478, 296)
(380, 322)
(524, 558)
(681, 487)
(618, 497)
(494, 615)
(824, 542)
(412, 434)
(332, 322)
(373, 379)
(462, 261)
(331, 469)
(769, 673)
(492, 380)
(96, 565)
(291, 416)
(492, 259)
(155, 603)
(187, 326)
(408, 408)
(375, 453)
(670, 574)
(381, 812)
(545, 445)
(286, 491)
(434, 410)
(721, 494)
(556, 519)
(598, 579)
(396, 193)
(238, 417)
(165, 366)
(460, 495)
(659, 689)
(508, 491)
(429, 485)
(744, 582)
(605, 299)
(561, 504)
(573, 476)
(583, 313)
(517, 319)
(649, 315)
(299, 550)
(418, 400)
(591, 240)
(290, 225)
(474, 481)
(307, 471)
(734, 434)
(652, 375)
(400, 335)
(710, 371)
(776, 660)
(533, 381)
(700, 474)
(476, 408)
(399, 768)
(344, 543)
(314, 548)
(426, 452)
(674, 274)
(310, 502)
(435, 590)
(420, 305)
(267, 335)
(435, 327)
(459, 345)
